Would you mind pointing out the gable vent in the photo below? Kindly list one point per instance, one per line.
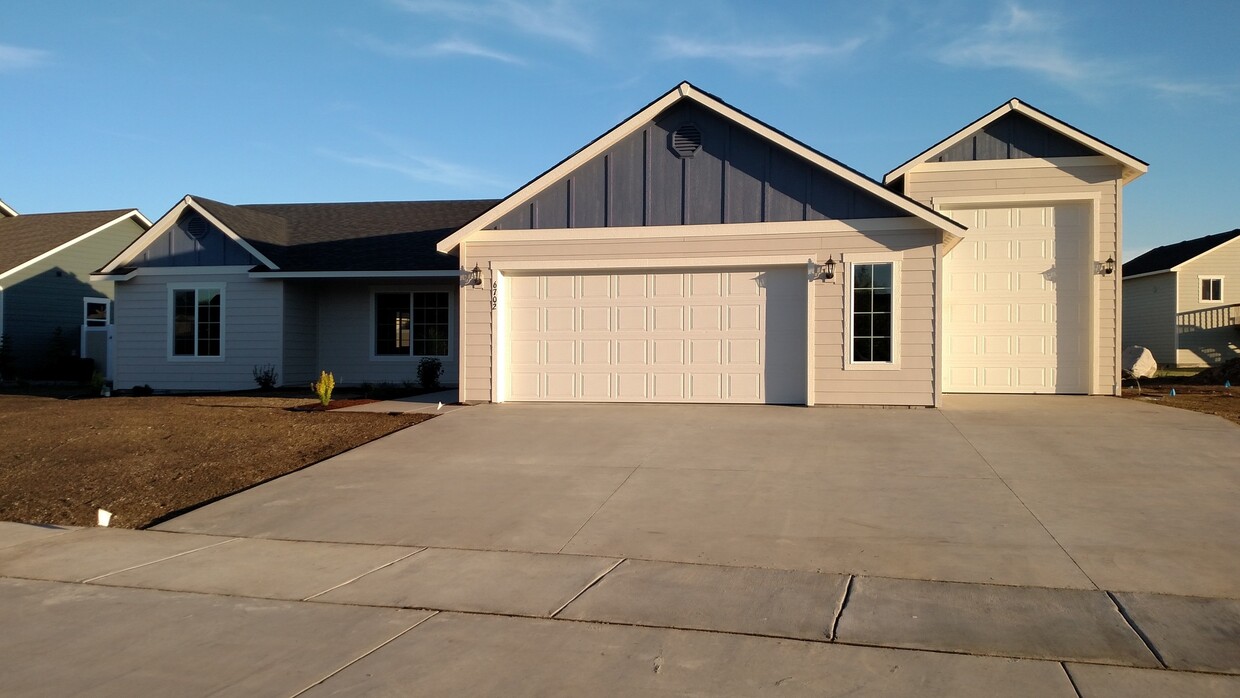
(686, 140)
(196, 227)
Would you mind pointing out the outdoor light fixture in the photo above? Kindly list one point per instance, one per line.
(1108, 267)
(824, 271)
(473, 277)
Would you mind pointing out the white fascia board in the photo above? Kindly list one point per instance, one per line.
(1194, 258)
(166, 222)
(1133, 167)
(638, 120)
(415, 274)
(71, 243)
(6, 210)
(1148, 273)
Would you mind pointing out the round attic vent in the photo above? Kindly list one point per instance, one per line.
(196, 227)
(686, 140)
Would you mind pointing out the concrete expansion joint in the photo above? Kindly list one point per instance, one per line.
(364, 655)
(1137, 629)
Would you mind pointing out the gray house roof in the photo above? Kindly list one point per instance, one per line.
(1168, 257)
(24, 237)
(367, 236)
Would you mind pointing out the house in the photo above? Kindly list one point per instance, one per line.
(694, 253)
(49, 307)
(214, 291)
(1182, 301)
(690, 254)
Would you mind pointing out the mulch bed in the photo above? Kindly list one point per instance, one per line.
(146, 458)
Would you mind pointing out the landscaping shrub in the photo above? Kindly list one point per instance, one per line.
(323, 388)
(429, 371)
(265, 376)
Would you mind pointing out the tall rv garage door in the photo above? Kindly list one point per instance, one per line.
(1017, 301)
(679, 336)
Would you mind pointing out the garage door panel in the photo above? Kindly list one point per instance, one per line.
(682, 336)
(1006, 318)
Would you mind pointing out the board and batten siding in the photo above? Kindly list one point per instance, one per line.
(1207, 332)
(301, 326)
(346, 333)
(988, 185)
(911, 384)
(48, 295)
(253, 322)
(1149, 315)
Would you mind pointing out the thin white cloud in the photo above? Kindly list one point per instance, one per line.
(558, 20)
(20, 58)
(1019, 38)
(423, 169)
(445, 47)
(743, 51)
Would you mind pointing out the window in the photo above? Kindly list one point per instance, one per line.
(872, 286)
(197, 321)
(96, 312)
(1211, 289)
(411, 324)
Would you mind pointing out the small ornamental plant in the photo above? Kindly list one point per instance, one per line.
(323, 389)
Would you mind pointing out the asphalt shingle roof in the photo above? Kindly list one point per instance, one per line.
(24, 237)
(370, 236)
(1167, 256)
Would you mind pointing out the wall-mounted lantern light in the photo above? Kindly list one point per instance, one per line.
(472, 277)
(824, 271)
(1108, 267)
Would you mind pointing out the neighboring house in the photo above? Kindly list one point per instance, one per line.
(213, 291)
(1182, 301)
(690, 254)
(48, 303)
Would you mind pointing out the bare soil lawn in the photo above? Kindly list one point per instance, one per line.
(143, 458)
(1211, 399)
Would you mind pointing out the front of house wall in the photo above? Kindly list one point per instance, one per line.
(1033, 182)
(831, 380)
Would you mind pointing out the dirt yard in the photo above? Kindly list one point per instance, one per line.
(1211, 399)
(144, 458)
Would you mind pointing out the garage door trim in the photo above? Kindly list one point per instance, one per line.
(1094, 200)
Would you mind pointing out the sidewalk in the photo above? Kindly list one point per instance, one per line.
(118, 612)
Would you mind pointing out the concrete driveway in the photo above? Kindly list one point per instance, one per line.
(1075, 547)
(1048, 491)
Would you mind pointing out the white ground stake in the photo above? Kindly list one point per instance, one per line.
(105, 517)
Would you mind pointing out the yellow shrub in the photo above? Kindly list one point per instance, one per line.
(327, 382)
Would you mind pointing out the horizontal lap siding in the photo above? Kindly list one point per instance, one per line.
(1202, 341)
(912, 384)
(252, 327)
(925, 186)
(300, 334)
(346, 329)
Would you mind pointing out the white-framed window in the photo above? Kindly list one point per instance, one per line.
(96, 312)
(873, 308)
(411, 323)
(196, 321)
(1211, 289)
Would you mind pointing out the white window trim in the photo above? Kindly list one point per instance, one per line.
(168, 325)
(413, 358)
(87, 300)
(896, 301)
(1222, 289)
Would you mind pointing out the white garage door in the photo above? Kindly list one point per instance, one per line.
(695, 336)
(1016, 307)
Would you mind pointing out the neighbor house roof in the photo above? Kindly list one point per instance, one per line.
(1133, 167)
(330, 237)
(28, 237)
(686, 91)
(6, 210)
(1171, 257)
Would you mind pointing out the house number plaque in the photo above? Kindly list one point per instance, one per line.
(494, 295)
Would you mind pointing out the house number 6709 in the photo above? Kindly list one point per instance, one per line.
(494, 295)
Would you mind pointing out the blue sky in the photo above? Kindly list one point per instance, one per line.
(118, 104)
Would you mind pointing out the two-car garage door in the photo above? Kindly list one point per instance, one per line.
(1017, 301)
(728, 336)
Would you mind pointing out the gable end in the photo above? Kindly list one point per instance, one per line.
(193, 241)
(1013, 136)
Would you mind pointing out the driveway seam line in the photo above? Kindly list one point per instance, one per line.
(364, 574)
(381, 645)
(1071, 681)
(839, 610)
(1123, 612)
(1022, 502)
(162, 559)
(600, 508)
(587, 587)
